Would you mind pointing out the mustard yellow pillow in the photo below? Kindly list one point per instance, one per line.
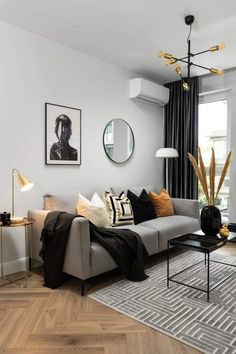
(162, 203)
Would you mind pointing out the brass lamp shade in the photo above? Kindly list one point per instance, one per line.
(24, 184)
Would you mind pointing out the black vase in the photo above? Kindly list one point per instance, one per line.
(210, 220)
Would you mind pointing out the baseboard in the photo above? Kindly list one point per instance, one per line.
(17, 265)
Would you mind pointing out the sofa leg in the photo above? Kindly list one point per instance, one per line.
(82, 287)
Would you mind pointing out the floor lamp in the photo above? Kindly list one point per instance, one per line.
(167, 153)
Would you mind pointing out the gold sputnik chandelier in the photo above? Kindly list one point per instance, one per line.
(172, 60)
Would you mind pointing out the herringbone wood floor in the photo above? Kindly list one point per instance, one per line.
(38, 320)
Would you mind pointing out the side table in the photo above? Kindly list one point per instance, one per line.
(27, 225)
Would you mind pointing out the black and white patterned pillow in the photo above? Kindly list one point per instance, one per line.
(119, 209)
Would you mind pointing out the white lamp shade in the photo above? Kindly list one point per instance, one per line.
(167, 153)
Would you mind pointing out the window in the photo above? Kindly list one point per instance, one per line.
(213, 121)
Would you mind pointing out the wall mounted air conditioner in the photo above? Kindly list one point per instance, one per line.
(148, 91)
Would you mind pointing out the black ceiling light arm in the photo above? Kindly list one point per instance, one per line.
(189, 21)
(202, 67)
(191, 64)
(202, 52)
(187, 59)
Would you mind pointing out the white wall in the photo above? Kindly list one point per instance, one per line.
(228, 83)
(33, 71)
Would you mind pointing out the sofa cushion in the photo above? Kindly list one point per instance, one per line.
(119, 209)
(171, 226)
(94, 210)
(67, 200)
(60, 201)
(162, 203)
(149, 236)
(64, 201)
(142, 206)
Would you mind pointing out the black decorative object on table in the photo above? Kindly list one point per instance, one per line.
(210, 215)
(210, 220)
(232, 227)
(5, 218)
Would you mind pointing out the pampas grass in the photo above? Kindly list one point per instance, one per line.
(204, 177)
(224, 171)
(212, 174)
(200, 171)
(199, 175)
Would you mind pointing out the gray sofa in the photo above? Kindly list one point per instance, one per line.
(85, 258)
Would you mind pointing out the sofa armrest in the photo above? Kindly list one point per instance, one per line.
(187, 207)
(77, 260)
(77, 256)
(39, 216)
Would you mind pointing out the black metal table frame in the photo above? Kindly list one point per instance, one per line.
(207, 263)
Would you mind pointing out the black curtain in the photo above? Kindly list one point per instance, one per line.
(181, 133)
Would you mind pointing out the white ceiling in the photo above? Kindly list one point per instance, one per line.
(128, 33)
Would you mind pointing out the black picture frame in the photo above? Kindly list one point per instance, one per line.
(62, 135)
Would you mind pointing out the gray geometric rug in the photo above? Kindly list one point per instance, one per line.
(181, 312)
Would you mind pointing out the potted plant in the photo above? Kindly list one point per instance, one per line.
(210, 214)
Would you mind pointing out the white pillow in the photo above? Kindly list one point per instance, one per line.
(94, 210)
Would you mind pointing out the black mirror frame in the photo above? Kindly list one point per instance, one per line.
(105, 146)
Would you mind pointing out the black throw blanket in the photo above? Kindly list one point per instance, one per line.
(54, 239)
(124, 246)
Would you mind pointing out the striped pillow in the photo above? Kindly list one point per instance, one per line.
(119, 209)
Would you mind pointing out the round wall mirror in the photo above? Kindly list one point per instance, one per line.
(118, 140)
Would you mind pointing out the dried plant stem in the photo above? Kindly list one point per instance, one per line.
(212, 174)
(203, 171)
(199, 174)
(224, 171)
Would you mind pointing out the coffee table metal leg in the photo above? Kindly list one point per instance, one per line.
(168, 265)
(208, 277)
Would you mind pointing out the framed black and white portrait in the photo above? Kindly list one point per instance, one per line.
(62, 135)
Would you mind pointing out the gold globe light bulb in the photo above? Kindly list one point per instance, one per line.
(185, 86)
(171, 62)
(222, 46)
(220, 72)
(217, 47)
(168, 56)
(214, 48)
(178, 70)
(215, 71)
(160, 54)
